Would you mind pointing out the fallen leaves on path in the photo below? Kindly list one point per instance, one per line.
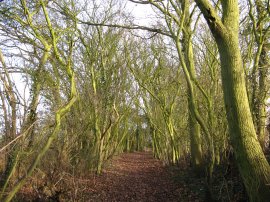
(132, 177)
(128, 177)
(138, 177)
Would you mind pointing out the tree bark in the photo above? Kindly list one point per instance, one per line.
(252, 164)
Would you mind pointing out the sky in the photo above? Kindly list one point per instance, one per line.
(142, 12)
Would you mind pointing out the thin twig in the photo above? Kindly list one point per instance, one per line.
(15, 139)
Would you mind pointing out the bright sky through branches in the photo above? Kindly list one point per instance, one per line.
(142, 13)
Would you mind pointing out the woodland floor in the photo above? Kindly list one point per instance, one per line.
(139, 177)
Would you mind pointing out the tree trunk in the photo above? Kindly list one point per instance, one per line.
(194, 126)
(195, 141)
(252, 164)
(261, 119)
(262, 68)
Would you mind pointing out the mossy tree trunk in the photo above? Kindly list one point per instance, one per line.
(194, 126)
(252, 164)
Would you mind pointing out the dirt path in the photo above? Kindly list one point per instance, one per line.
(138, 177)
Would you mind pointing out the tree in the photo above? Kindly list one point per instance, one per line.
(160, 88)
(259, 73)
(178, 21)
(252, 164)
(48, 39)
(10, 121)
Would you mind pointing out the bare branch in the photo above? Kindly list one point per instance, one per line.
(140, 2)
(129, 27)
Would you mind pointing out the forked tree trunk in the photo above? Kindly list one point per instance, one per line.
(252, 164)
